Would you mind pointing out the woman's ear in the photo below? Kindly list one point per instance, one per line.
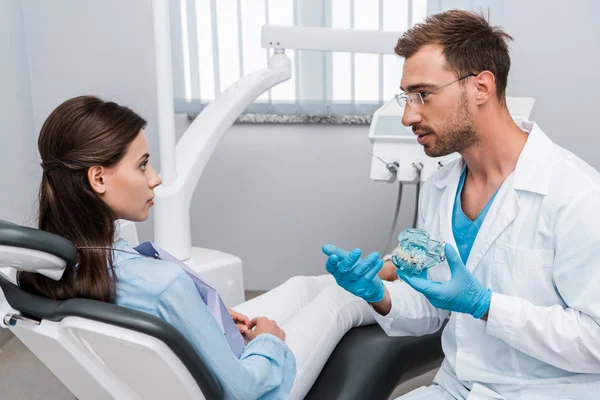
(96, 177)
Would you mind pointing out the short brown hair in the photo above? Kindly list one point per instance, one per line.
(470, 43)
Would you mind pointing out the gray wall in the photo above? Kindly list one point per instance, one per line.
(18, 161)
(18, 155)
(104, 48)
(273, 194)
(555, 56)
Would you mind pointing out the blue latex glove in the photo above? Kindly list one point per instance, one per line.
(462, 293)
(356, 275)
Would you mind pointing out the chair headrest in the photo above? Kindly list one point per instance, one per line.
(34, 250)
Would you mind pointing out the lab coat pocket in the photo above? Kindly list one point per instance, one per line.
(525, 273)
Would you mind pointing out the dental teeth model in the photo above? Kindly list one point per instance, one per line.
(417, 252)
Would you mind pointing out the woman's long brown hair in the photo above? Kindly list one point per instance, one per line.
(80, 133)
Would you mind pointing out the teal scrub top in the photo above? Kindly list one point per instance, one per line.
(464, 230)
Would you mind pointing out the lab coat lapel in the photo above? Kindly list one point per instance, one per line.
(532, 173)
(501, 214)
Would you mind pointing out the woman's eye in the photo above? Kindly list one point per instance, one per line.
(143, 166)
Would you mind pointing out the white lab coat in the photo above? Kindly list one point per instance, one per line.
(538, 251)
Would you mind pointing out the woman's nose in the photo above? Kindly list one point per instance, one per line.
(155, 179)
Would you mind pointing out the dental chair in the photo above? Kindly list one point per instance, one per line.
(103, 351)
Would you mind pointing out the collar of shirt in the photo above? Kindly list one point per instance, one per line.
(123, 252)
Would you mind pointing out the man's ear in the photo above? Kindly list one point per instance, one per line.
(486, 86)
(97, 179)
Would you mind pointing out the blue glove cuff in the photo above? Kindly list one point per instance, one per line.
(483, 305)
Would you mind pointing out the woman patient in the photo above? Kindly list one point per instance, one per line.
(97, 170)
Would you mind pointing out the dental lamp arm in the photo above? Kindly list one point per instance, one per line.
(200, 140)
(164, 89)
(172, 219)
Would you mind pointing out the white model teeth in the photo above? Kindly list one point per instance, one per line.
(409, 258)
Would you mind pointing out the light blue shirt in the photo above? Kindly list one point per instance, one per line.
(464, 230)
(267, 367)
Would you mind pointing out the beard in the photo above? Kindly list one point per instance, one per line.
(455, 135)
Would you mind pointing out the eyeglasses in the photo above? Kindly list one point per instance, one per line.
(416, 99)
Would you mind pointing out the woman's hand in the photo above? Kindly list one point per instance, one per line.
(242, 322)
(264, 325)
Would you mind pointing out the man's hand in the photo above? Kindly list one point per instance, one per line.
(242, 322)
(462, 293)
(356, 275)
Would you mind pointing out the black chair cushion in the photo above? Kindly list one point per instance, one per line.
(368, 364)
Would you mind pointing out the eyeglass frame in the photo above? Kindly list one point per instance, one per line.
(405, 97)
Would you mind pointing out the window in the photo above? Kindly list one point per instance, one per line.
(214, 43)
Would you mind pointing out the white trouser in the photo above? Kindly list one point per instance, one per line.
(315, 314)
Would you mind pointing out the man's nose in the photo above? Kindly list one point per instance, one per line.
(411, 115)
